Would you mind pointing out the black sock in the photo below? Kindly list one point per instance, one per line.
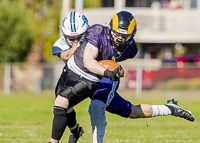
(71, 119)
(75, 131)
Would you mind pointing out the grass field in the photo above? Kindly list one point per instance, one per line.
(26, 118)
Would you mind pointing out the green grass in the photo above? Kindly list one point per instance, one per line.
(26, 118)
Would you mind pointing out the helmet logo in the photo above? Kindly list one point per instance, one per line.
(122, 31)
(74, 33)
(85, 20)
(63, 22)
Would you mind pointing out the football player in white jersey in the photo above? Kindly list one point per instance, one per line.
(73, 28)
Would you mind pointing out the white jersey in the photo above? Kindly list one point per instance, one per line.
(60, 46)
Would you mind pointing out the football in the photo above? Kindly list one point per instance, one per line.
(110, 65)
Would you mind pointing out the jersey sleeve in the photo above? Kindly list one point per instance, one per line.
(93, 35)
(56, 50)
(60, 46)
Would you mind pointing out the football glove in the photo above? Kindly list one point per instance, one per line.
(113, 75)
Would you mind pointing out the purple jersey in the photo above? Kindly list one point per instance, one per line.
(98, 36)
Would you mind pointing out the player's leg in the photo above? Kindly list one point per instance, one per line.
(97, 107)
(75, 130)
(171, 108)
(147, 110)
(60, 113)
(68, 97)
(124, 108)
(119, 106)
(98, 120)
(60, 118)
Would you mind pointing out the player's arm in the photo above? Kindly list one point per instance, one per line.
(89, 60)
(67, 54)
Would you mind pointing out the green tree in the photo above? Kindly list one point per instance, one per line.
(16, 36)
(44, 17)
(29, 23)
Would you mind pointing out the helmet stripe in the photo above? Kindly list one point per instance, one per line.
(115, 22)
(131, 26)
(72, 21)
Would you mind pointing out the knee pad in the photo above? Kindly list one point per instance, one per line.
(59, 111)
(59, 122)
(97, 113)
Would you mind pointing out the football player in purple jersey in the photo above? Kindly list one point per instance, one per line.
(82, 75)
(116, 42)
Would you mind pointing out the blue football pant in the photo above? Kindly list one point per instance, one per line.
(106, 92)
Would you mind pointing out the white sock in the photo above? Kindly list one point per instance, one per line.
(160, 110)
(98, 134)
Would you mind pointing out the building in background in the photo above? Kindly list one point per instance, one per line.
(162, 24)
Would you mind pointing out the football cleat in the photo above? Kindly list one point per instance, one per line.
(178, 111)
(73, 138)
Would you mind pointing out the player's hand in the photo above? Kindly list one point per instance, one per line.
(114, 75)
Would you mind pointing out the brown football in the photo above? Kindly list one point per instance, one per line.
(110, 65)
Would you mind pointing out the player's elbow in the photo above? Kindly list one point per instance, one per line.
(65, 55)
